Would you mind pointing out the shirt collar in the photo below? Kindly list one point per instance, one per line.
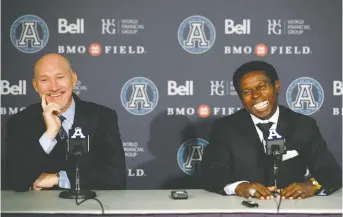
(70, 112)
(273, 118)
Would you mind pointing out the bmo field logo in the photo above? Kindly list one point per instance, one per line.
(305, 95)
(139, 96)
(196, 34)
(190, 154)
(29, 34)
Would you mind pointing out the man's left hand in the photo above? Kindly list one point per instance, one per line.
(299, 190)
(45, 180)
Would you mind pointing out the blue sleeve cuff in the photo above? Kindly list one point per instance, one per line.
(64, 181)
(47, 143)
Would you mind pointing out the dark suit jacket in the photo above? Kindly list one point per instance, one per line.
(235, 153)
(102, 168)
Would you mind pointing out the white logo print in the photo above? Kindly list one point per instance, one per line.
(73, 28)
(305, 95)
(196, 34)
(139, 96)
(29, 34)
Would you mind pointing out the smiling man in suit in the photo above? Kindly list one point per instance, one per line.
(37, 136)
(236, 163)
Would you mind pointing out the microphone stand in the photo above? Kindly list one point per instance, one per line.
(77, 193)
(276, 161)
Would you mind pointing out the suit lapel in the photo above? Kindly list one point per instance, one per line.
(248, 131)
(284, 126)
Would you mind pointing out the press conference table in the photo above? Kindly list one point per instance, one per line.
(158, 202)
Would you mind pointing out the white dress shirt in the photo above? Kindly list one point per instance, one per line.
(230, 188)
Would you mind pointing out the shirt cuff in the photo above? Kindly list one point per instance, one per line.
(47, 143)
(63, 181)
(322, 193)
(230, 188)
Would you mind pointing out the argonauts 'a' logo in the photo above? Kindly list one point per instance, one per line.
(190, 154)
(196, 34)
(139, 96)
(305, 95)
(29, 34)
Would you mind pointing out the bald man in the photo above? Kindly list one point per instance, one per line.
(37, 150)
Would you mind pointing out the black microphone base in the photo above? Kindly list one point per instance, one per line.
(82, 194)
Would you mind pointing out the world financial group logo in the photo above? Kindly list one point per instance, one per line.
(79, 87)
(190, 154)
(222, 88)
(114, 26)
(139, 96)
(29, 34)
(305, 95)
(196, 34)
(287, 27)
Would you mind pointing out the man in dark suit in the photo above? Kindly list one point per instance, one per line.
(236, 163)
(37, 136)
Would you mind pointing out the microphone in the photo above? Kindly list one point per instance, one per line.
(275, 147)
(78, 146)
(275, 144)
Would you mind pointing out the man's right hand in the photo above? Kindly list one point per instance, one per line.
(262, 192)
(51, 119)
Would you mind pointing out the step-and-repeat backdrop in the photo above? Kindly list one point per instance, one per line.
(166, 68)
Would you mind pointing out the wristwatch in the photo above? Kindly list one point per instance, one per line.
(316, 185)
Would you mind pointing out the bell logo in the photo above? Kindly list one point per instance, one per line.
(337, 111)
(182, 90)
(136, 172)
(7, 89)
(73, 28)
(239, 29)
(337, 88)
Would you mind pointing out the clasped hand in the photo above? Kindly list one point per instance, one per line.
(297, 190)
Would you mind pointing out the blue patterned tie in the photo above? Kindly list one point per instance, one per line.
(63, 135)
